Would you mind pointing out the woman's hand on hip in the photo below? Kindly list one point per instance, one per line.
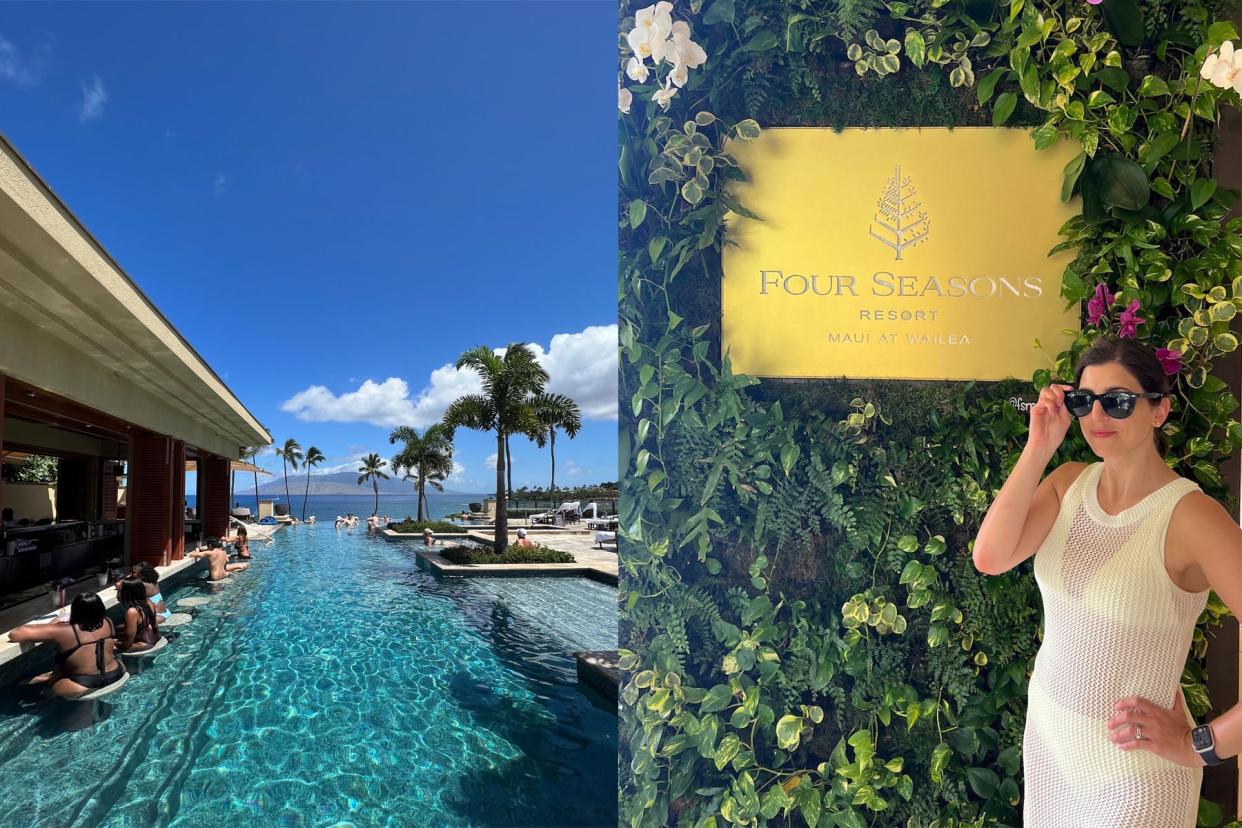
(1164, 730)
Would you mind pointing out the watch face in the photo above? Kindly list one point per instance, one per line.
(1201, 738)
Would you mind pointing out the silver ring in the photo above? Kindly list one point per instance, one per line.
(1138, 732)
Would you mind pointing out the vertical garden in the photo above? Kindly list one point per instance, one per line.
(806, 638)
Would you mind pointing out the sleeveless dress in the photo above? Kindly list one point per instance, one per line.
(1115, 625)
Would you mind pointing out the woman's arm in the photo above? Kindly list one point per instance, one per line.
(1215, 542)
(1211, 540)
(131, 628)
(1020, 517)
(35, 632)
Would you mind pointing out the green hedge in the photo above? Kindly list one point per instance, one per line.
(806, 639)
(417, 526)
(512, 555)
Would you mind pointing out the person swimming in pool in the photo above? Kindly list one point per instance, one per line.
(217, 560)
(86, 650)
(146, 573)
(141, 626)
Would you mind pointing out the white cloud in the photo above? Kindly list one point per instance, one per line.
(458, 476)
(350, 464)
(220, 184)
(583, 366)
(490, 462)
(94, 96)
(14, 68)
(385, 403)
(572, 469)
(447, 384)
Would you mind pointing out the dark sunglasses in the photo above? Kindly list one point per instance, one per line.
(1116, 404)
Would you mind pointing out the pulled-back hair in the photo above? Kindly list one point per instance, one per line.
(1136, 358)
(146, 572)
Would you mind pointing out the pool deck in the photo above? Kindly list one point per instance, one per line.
(590, 561)
(599, 669)
(27, 611)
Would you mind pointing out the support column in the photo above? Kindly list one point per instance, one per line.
(1, 437)
(177, 523)
(213, 491)
(149, 500)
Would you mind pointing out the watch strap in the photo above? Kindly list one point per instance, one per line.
(1208, 753)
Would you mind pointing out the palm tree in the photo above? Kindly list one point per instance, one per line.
(290, 454)
(555, 411)
(502, 408)
(370, 470)
(428, 459)
(250, 454)
(313, 458)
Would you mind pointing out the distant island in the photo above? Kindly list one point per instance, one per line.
(339, 483)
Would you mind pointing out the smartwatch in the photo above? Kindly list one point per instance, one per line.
(1204, 744)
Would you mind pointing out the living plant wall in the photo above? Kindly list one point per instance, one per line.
(805, 639)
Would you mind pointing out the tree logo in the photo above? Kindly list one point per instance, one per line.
(901, 220)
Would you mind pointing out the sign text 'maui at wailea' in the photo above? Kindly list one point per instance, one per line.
(897, 253)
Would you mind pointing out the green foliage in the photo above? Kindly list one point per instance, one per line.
(808, 641)
(410, 525)
(512, 555)
(36, 468)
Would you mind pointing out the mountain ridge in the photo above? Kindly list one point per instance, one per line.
(337, 483)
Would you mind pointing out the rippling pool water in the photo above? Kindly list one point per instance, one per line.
(334, 682)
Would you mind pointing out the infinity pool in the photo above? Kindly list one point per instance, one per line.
(336, 683)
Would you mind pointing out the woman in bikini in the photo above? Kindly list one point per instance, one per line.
(242, 541)
(146, 573)
(86, 658)
(142, 630)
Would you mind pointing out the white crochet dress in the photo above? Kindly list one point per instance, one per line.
(1115, 625)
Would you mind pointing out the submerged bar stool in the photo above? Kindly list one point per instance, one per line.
(150, 651)
(95, 695)
(177, 619)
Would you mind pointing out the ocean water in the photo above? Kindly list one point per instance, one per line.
(397, 507)
(334, 683)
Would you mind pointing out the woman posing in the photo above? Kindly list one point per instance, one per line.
(1126, 552)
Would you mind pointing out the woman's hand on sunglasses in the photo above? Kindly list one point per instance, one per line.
(1050, 420)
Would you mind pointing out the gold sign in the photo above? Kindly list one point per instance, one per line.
(897, 254)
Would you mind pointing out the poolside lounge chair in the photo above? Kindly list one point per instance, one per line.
(604, 537)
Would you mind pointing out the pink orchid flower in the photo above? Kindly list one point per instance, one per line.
(1130, 321)
(1099, 304)
(1170, 360)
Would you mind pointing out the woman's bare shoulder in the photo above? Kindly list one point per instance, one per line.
(1064, 475)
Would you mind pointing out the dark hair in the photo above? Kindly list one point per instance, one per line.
(212, 543)
(87, 612)
(241, 531)
(6, 513)
(1136, 358)
(146, 572)
(134, 594)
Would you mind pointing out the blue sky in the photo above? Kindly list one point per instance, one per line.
(332, 202)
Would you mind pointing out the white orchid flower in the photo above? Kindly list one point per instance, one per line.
(680, 74)
(1223, 69)
(636, 70)
(624, 98)
(648, 43)
(665, 96)
(657, 19)
(1209, 66)
(684, 49)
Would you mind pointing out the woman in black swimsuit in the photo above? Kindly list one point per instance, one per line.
(141, 627)
(242, 541)
(86, 659)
